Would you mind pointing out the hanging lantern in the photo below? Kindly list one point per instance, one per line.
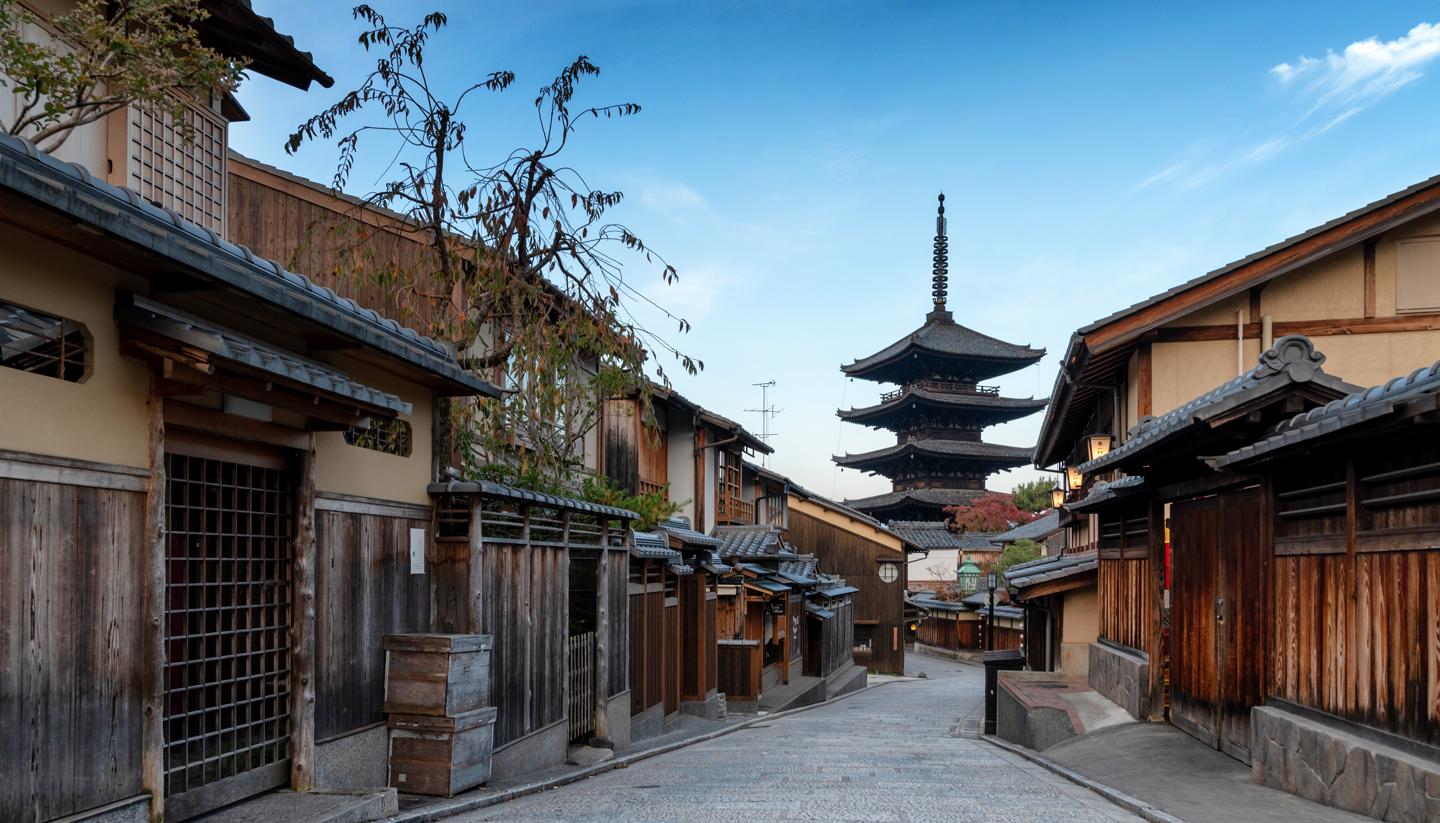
(968, 576)
(1098, 445)
(1057, 497)
(1073, 479)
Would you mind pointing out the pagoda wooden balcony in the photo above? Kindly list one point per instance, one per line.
(943, 387)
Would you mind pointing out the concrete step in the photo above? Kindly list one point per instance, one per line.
(844, 680)
(800, 691)
(319, 806)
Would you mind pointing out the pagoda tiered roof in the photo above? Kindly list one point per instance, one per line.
(943, 348)
(960, 451)
(981, 402)
(915, 504)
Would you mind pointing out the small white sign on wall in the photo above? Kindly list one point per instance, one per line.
(417, 551)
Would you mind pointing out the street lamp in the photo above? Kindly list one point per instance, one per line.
(968, 576)
(1073, 478)
(991, 579)
(1057, 497)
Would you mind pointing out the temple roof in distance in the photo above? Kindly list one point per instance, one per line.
(943, 347)
(991, 407)
(930, 501)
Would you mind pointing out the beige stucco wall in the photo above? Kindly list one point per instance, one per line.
(100, 419)
(680, 462)
(1329, 288)
(1079, 627)
(346, 469)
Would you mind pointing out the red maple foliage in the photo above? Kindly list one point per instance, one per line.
(990, 514)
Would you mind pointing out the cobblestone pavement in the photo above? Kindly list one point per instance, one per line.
(900, 752)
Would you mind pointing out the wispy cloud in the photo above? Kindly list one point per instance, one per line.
(671, 198)
(1322, 93)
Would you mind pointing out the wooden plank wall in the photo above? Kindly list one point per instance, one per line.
(621, 441)
(281, 220)
(739, 671)
(711, 653)
(854, 558)
(364, 591)
(72, 566)
(944, 631)
(693, 637)
(1127, 596)
(523, 606)
(618, 672)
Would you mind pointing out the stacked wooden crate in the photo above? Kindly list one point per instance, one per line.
(437, 696)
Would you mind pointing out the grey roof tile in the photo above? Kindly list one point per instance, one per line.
(935, 534)
(750, 541)
(1037, 529)
(977, 449)
(1108, 491)
(942, 335)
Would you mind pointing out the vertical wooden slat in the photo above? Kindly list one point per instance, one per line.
(152, 768)
(302, 630)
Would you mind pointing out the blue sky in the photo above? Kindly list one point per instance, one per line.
(789, 153)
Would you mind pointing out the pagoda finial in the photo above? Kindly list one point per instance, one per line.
(941, 277)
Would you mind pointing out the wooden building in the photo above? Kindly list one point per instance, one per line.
(760, 615)
(937, 551)
(1296, 570)
(247, 455)
(965, 624)
(1058, 595)
(871, 558)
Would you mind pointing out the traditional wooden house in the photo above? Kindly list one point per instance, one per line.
(251, 453)
(1045, 530)
(965, 624)
(674, 572)
(760, 615)
(1058, 595)
(694, 453)
(938, 551)
(871, 558)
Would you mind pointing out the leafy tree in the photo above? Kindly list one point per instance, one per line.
(990, 514)
(107, 56)
(523, 272)
(1020, 551)
(1033, 496)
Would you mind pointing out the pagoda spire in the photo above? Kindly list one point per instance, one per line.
(940, 278)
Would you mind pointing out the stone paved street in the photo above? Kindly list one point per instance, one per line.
(901, 752)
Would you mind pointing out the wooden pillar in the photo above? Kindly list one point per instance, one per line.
(601, 738)
(1144, 379)
(302, 631)
(1369, 269)
(474, 569)
(152, 763)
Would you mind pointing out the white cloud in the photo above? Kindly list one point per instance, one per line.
(1336, 87)
(1365, 72)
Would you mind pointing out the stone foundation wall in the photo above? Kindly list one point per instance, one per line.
(359, 760)
(1327, 764)
(708, 709)
(531, 753)
(1123, 677)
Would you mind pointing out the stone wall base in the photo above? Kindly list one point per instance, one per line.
(130, 810)
(647, 723)
(617, 717)
(358, 760)
(709, 709)
(531, 753)
(1327, 764)
(1123, 677)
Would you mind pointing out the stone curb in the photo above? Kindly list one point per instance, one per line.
(1134, 805)
(463, 805)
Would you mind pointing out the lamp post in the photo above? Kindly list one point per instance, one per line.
(990, 582)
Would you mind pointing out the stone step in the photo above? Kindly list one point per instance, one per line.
(319, 806)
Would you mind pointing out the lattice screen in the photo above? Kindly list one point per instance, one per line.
(187, 176)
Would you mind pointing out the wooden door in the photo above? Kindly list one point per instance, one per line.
(1217, 629)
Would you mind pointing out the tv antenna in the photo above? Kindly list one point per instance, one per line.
(767, 413)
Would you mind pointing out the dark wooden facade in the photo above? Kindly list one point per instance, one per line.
(655, 635)
(879, 607)
(829, 642)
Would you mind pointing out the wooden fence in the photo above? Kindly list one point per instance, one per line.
(580, 684)
(739, 669)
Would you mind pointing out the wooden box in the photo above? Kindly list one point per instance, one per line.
(436, 674)
(441, 756)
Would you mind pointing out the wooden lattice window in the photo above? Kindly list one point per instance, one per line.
(42, 343)
(1310, 509)
(187, 176)
(386, 436)
(730, 506)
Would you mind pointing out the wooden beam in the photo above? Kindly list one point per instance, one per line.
(603, 607)
(1370, 277)
(152, 758)
(1278, 262)
(302, 630)
(188, 416)
(1311, 328)
(1254, 315)
(1145, 379)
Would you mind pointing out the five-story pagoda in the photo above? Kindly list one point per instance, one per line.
(940, 410)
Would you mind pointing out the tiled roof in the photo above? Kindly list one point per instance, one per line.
(751, 541)
(942, 335)
(1107, 491)
(980, 402)
(500, 491)
(680, 530)
(1037, 529)
(805, 566)
(1341, 414)
(1290, 361)
(976, 449)
(838, 591)
(1054, 567)
(935, 534)
(930, 497)
(274, 54)
(252, 354)
(78, 195)
(655, 546)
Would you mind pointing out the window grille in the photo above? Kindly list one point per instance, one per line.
(227, 621)
(42, 344)
(187, 176)
(385, 436)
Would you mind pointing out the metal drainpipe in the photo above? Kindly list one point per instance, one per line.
(1239, 342)
(1267, 332)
